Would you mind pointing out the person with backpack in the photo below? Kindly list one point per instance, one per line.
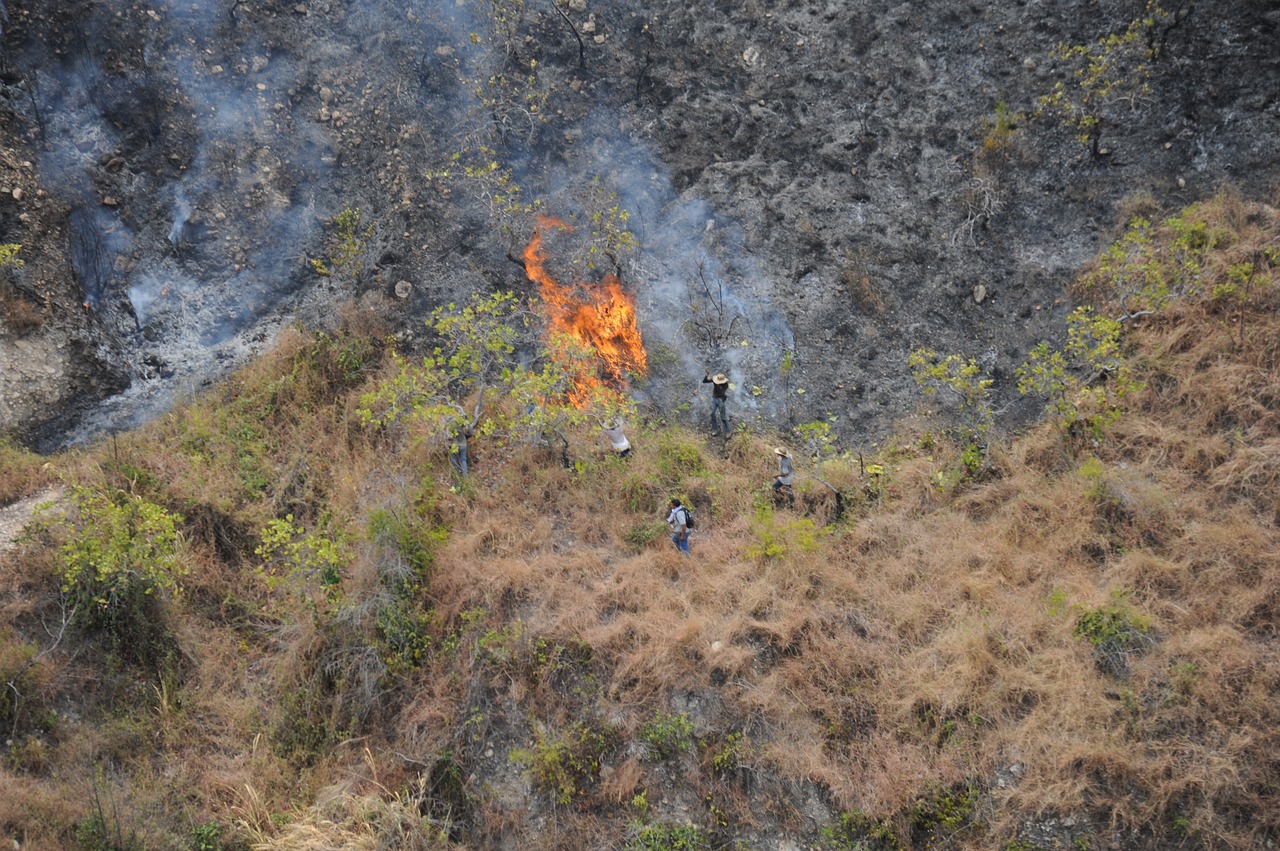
(680, 521)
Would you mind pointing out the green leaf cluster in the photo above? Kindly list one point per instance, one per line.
(661, 836)
(1114, 626)
(967, 385)
(560, 762)
(301, 559)
(857, 831)
(9, 255)
(1114, 70)
(775, 537)
(668, 735)
(1084, 381)
(118, 548)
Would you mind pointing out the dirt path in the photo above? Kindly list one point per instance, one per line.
(14, 517)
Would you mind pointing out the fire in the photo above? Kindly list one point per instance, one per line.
(601, 315)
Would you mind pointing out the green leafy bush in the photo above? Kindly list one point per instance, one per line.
(966, 384)
(777, 536)
(668, 735)
(561, 762)
(297, 558)
(644, 534)
(118, 554)
(943, 813)
(678, 458)
(855, 831)
(731, 753)
(1113, 625)
(1085, 381)
(665, 837)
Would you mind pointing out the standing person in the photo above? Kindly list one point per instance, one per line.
(719, 394)
(613, 430)
(786, 476)
(678, 520)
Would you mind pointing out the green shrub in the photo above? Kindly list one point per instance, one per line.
(1114, 630)
(664, 837)
(1084, 381)
(22, 678)
(101, 829)
(644, 534)
(561, 762)
(118, 554)
(678, 457)
(298, 559)
(964, 382)
(403, 633)
(856, 831)
(668, 736)
(943, 813)
(206, 837)
(776, 536)
(729, 756)
(19, 470)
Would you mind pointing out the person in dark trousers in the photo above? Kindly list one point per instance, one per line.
(786, 476)
(719, 394)
(678, 519)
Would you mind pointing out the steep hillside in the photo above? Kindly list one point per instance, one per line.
(279, 618)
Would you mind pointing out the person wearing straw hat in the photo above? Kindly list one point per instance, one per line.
(719, 395)
(786, 475)
(612, 429)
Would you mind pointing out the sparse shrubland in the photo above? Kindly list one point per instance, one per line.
(1077, 646)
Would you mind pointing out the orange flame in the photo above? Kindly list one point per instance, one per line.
(601, 315)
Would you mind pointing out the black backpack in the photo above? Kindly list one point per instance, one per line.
(688, 518)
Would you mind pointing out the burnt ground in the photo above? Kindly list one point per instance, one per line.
(811, 177)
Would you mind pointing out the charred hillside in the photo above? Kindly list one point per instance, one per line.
(842, 182)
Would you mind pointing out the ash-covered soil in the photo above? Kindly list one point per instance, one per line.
(808, 177)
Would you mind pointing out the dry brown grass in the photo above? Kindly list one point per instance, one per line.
(927, 640)
(22, 473)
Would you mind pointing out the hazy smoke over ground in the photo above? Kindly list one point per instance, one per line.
(693, 274)
(202, 170)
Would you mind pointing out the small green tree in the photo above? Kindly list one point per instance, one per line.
(1085, 380)
(1141, 273)
(1244, 279)
(1114, 71)
(819, 442)
(300, 560)
(349, 244)
(558, 392)
(445, 394)
(119, 553)
(966, 384)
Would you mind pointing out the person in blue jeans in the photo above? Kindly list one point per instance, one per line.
(678, 519)
(719, 395)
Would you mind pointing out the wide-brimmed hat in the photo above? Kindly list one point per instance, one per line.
(719, 378)
(780, 451)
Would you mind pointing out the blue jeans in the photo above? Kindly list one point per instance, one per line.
(717, 407)
(458, 457)
(681, 545)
